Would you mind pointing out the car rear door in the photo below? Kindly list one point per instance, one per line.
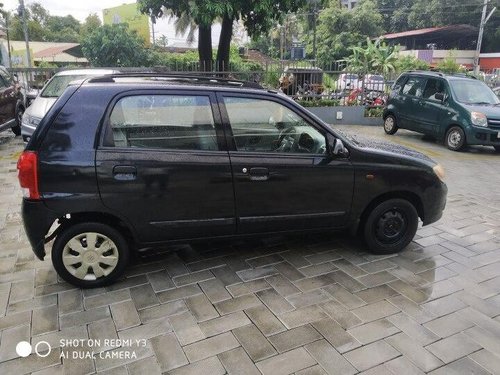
(412, 107)
(163, 165)
(283, 178)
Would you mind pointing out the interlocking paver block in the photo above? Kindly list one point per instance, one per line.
(329, 359)
(414, 352)
(294, 338)
(237, 362)
(254, 342)
(371, 355)
(286, 363)
(168, 352)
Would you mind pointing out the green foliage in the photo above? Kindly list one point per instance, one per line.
(406, 63)
(450, 66)
(339, 29)
(374, 112)
(319, 103)
(114, 45)
(374, 57)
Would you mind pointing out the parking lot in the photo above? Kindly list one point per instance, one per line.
(312, 304)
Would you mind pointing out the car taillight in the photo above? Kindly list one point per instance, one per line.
(27, 167)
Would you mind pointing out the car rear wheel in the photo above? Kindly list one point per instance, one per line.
(391, 226)
(390, 125)
(90, 255)
(455, 138)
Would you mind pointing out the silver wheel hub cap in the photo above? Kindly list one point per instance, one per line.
(389, 123)
(90, 255)
(455, 138)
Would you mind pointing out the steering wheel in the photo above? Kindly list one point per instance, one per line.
(286, 140)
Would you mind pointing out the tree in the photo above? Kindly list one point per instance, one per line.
(340, 29)
(374, 57)
(114, 45)
(257, 16)
(91, 23)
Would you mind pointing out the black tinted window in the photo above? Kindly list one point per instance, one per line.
(434, 86)
(164, 121)
(414, 86)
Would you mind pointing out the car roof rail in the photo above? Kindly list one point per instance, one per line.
(180, 78)
(435, 72)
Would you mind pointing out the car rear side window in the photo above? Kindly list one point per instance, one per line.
(164, 122)
(414, 86)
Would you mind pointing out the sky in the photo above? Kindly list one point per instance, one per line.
(81, 9)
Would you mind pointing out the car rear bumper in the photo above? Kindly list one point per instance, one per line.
(37, 219)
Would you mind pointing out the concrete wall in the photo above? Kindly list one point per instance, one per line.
(351, 115)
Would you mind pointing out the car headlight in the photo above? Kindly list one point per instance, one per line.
(478, 119)
(30, 120)
(439, 171)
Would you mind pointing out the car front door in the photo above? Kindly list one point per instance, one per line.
(283, 178)
(164, 167)
(434, 110)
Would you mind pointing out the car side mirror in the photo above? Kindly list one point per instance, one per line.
(337, 147)
(439, 96)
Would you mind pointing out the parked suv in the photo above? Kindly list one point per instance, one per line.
(11, 102)
(457, 109)
(127, 162)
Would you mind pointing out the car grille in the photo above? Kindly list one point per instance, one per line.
(494, 123)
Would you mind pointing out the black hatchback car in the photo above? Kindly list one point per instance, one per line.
(129, 162)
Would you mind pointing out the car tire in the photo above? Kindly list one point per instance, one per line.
(390, 226)
(497, 148)
(16, 129)
(390, 125)
(90, 267)
(455, 138)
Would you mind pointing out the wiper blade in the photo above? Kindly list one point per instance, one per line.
(480, 103)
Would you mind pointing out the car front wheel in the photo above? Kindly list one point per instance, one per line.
(16, 129)
(455, 138)
(90, 255)
(391, 226)
(390, 125)
(497, 148)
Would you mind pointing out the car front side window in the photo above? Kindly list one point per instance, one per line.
(260, 125)
(171, 122)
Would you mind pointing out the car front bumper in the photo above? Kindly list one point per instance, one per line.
(435, 203)
(483, 136)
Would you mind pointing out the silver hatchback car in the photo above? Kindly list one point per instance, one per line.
(49, 94)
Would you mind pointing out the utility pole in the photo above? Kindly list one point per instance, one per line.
(484, 19)
(22, 10)
(314, 30)
(153, 22)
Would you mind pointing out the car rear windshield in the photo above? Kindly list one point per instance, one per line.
(57, 84)
(473, 92)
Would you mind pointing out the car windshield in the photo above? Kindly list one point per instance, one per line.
(56, 86)
(473, 92)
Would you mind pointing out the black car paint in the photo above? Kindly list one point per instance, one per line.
(76, 178)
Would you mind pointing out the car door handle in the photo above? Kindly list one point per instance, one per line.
(259, 174)
(124, 172)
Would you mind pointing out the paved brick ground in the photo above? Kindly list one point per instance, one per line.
(304, 305)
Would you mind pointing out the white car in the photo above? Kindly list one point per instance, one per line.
(49, 94)
(348, 81)
(374, 82)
